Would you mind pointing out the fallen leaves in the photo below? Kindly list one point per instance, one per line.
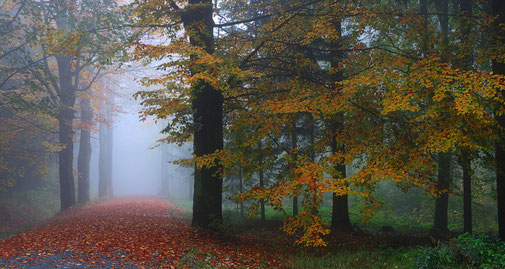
(150, 233)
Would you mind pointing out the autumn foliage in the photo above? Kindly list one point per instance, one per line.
(386, 91)
(141, 233)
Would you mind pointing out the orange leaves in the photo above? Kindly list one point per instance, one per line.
(134, 233)
(397, 103)
(313, 229)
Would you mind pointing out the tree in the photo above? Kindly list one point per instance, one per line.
(444, 158)
(84, 157)
(204, 99)
(498, 66)
(105, 136)
(465, 156)
(340, 221)
(165, 176)
(395, 103)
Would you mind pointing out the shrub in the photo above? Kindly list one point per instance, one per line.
(465, 250)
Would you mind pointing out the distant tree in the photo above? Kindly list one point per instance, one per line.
(106, 138)
(84, 157)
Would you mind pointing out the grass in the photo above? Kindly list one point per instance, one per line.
(28, 207)
(388, 258)
(411, 231)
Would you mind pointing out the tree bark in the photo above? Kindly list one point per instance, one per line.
(207, 105)
(340, 221)
(498, 9)
(66, 94)
(66, 132)
(440, 221)
(294, 142)
(442, 202)
(467, 194)
(241, 190)
(262, 181)
(84, 157)
(465, 161)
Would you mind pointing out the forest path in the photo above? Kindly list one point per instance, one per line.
(133, 233)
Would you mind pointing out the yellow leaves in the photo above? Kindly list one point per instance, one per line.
(61, 42)
(313, 227)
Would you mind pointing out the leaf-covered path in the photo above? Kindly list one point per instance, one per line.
(129, 234)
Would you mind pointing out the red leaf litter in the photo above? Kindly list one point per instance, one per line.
(136, 233)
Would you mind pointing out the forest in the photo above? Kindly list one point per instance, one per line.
(252, 134)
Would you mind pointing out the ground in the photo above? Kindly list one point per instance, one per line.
(148, 232)
(131, 234)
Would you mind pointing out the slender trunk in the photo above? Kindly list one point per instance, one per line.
(467, 193)
(262, 181)
(312, 154)
(207, 105)
(498, 8)
(442, 201)
(294, 143)
(84, 157)
(500, 178)
(164, 191)
(241, 178)
(105, 158)
(466, 63)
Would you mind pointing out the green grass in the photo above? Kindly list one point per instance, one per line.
(186, 205)
(32, 205)
(389, 258)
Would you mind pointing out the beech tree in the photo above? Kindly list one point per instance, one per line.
(396, 102)
(59, 43)
(206, 101)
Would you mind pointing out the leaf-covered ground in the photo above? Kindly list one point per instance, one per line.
(130, 234)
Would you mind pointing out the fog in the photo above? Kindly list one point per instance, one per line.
(137, 155)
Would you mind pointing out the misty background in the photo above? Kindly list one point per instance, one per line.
(137, 155)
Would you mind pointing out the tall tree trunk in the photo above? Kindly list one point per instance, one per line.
(498, 8)
(105, 134)
(66, 133)
(444, 159)
(84, 156)
(294, 143)
(66, 94)
(466, 63)
(207, 105)
(340, 221)
(442, 202)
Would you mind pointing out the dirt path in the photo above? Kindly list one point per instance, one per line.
(129, 234)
